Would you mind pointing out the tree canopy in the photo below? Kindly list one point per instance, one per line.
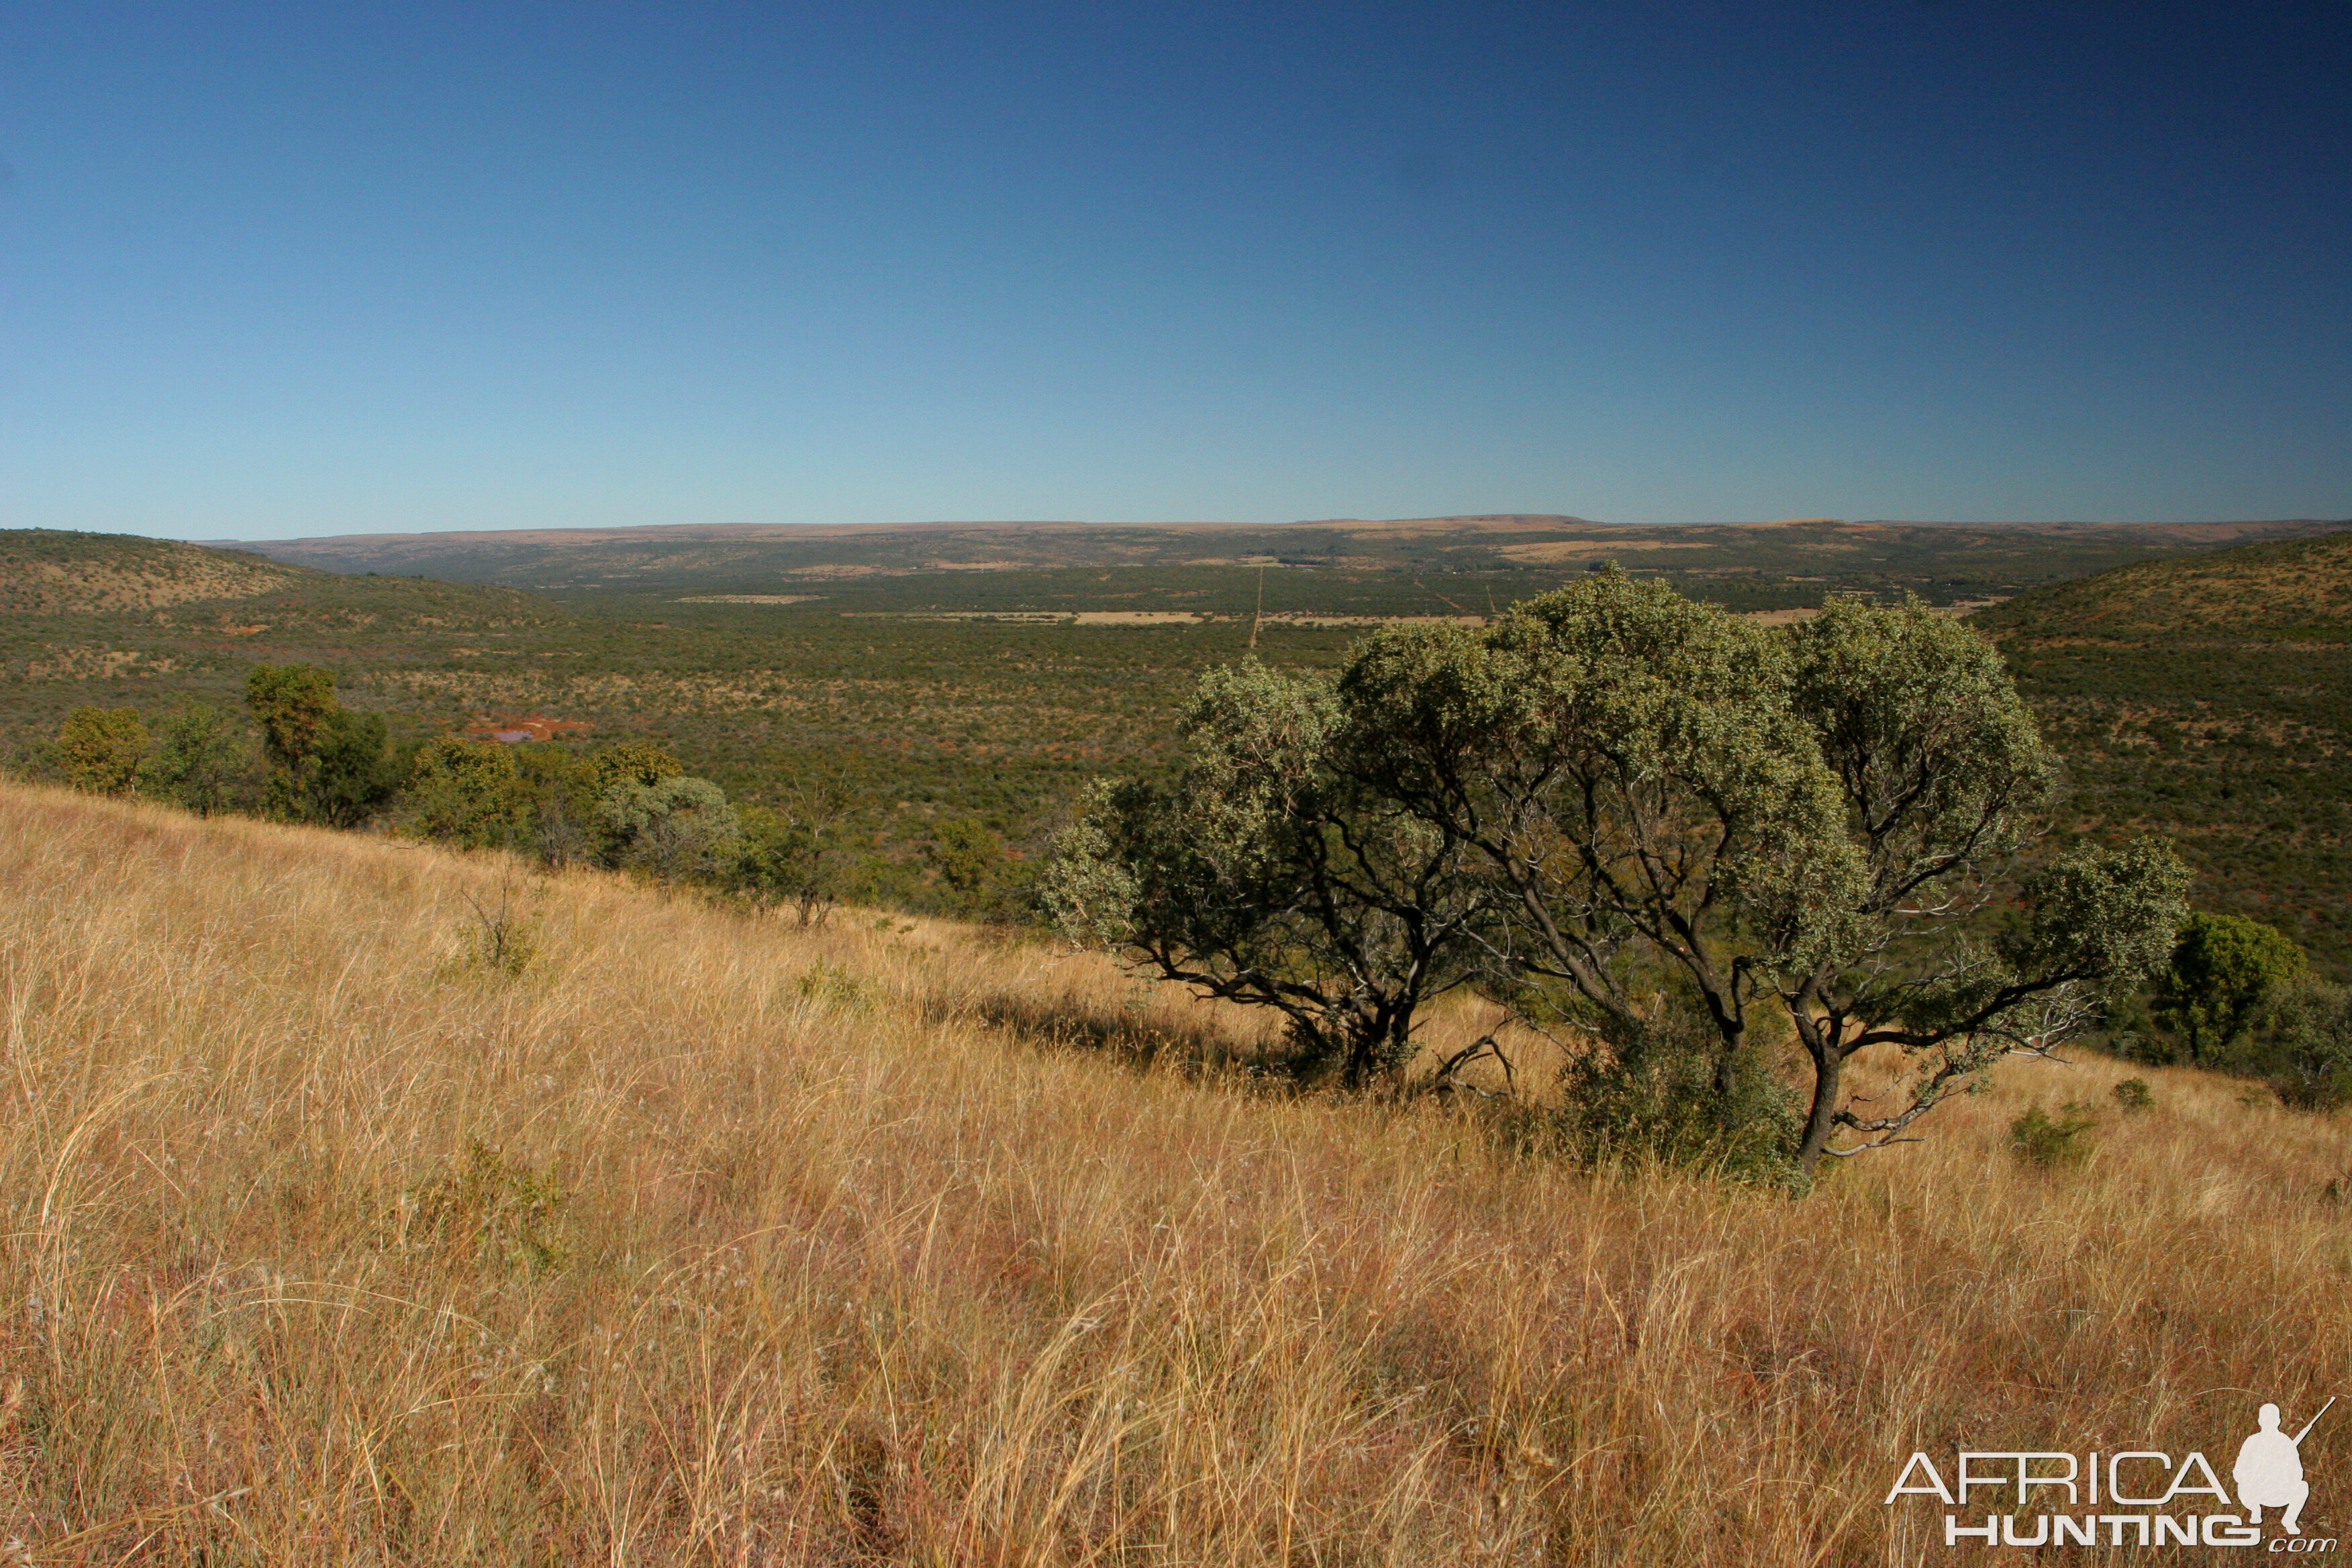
(1613, 802)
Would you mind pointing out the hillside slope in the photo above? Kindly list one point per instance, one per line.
(2211, 698)
(706, 1239)
(123, 621)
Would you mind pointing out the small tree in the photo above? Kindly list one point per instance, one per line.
(290, 703)
(562, 790)
(677, 828)
(1267, 876)
(198, 759)
(785, 862)
(2307, 1041)
(101, 749)
(468, 792)
(969, 857)
(351, 775)
(2222, 968)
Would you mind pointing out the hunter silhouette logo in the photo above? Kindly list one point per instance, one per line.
(2269, 1471)
(2136, 1497)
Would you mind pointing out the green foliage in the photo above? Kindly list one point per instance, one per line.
(968, 857)
(1654, 1088)
(101, 749)
(505, 1212)
(2222, 968)
(632, 762)
(351, 775)
(2046, 1142)
(1942, 771)
(290, 703)
(1627, 771)
(783, 863)
(1267, 874)
(2304, 1042)
(560, 790)
(677, 828)
(2133, 1095)
(200, 759)
(468, 792)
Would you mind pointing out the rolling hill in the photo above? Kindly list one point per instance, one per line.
(2211, 698)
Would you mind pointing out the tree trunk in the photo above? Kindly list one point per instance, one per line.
(1829, 1066)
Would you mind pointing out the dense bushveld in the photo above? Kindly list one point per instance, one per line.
(2211, 699)
(856, 675)
(373, 1203)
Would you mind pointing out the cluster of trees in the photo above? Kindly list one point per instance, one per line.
(2238, 996)
(298, 754)
(1688, 839)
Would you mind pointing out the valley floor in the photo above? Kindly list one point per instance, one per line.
(707, 1239)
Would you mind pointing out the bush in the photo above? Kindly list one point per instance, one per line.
(351, 775)
(199, 761)
(781, 863)
(468, 792)
(102, 748)
(2045, 1143)
(677, 828)
(2222, 967)
(2133, 1096)
(1658, 1089)
(2305, 1043)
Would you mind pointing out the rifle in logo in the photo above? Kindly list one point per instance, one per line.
(2269, 1471)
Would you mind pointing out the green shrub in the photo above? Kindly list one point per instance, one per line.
(2045, 1142)
(101, 749)
(199, 760)
(677, 828)
(2222, 967)
(468, 792)
(1658, 1089)
(2305, 1043)
(351, 775)
(2133, 1096)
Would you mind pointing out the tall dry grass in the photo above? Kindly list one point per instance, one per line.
(706, 1239)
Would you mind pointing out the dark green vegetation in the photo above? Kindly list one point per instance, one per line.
(2211, 699)
(924, 740)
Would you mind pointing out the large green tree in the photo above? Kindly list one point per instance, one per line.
(1626, 768)
(1267, 874)
(1947, 950)
(1624, 804)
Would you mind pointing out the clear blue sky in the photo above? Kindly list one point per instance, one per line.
(268, 271)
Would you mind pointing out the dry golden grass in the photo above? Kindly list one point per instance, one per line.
(851, 1263)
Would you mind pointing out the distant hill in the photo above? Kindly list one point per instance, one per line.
(45, 572)
(2293, 588)
(2211, 698)
(1943, 561)
(116, 620)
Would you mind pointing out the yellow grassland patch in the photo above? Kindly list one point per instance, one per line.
(702, 1238)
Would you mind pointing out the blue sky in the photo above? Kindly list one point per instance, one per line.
(274, 270)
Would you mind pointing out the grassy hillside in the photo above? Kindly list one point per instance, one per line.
(705, 1240)
(2211, 698)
